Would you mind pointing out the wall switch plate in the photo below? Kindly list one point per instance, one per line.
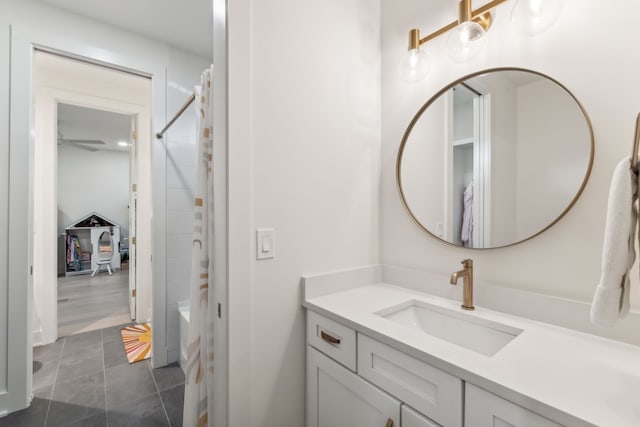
(265, 243)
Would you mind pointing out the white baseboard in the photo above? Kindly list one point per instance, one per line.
(36, 338)
(173, 356)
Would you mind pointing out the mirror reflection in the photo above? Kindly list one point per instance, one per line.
(495, 158)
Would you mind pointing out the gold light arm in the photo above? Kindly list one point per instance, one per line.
(481, 15)
(486, 8)
(485, 20)
(414, 39)
(464, 11)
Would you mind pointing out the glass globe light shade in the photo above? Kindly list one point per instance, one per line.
(465, 41)
(532, 17)
(414, 66)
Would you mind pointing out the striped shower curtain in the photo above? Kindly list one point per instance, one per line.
(198, 394)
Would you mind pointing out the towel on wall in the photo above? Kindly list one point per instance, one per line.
(611, 300)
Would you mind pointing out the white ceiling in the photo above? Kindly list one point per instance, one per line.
(186, 24)
(81, 123)
(462, 95)
(503, 79)
(521, 78)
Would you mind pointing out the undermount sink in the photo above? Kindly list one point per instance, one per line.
(471, 332)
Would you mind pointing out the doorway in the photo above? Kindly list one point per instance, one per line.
(96, 211)
(468, 183)
(92, 169)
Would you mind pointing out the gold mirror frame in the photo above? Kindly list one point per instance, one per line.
(437, 96)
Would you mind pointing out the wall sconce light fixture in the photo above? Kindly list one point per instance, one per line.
(466, 35)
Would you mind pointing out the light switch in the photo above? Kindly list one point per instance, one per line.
(265, 243)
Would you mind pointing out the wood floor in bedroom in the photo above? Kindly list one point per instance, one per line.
(88, 303)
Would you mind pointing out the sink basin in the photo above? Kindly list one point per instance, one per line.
(477, 334)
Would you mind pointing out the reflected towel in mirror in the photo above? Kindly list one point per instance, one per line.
(466, 234)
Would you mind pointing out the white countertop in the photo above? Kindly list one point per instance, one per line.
(571, 377)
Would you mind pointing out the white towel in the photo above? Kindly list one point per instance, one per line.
(611, 300)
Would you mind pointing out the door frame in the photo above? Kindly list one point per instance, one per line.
(24, 41)
(45, 194)
(481, 141)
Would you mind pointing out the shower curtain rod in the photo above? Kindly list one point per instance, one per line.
(182, 109)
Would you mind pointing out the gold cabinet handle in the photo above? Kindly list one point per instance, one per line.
(389, 423)
(328, 338)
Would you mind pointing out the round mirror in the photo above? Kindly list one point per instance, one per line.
(495, 158)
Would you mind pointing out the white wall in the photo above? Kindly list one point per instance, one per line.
(313, 128)
(565, 260)
(462, 118)
(424, 179)
(232, 49)
(4, 198)
(504, 151)
(553, 146)
(93, 182)
(108, 44)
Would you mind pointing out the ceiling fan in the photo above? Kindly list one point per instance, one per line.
(84, 144)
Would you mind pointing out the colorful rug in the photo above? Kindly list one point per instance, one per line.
(137, 342)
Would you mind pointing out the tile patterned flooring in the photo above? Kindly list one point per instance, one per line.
(84, 380)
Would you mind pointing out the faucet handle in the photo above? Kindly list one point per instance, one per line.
(467, 263)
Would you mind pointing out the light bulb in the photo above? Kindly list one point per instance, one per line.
(414, 66)
(465, 41)
(532, 17)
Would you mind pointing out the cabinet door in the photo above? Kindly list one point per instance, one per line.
(484, 409)
(433, 392)
(338, 398)
(411, 418)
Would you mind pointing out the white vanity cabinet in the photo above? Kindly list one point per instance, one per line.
(332, 338)
(337, 396)
(484, 409)
(411, 418)
(430, 390)
(354, 380)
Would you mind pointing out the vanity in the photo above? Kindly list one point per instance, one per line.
(382, 351)
(493, 159)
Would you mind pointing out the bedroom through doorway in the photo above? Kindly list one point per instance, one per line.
(95, 211)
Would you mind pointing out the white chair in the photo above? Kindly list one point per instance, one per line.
(105, 252)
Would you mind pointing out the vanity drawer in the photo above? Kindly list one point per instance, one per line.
(429, 390)
(333, 339)
(484, 409)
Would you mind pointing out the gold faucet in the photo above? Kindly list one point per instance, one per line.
(467, 279)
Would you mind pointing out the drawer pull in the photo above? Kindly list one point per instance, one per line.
(328, 338)
(389, 423)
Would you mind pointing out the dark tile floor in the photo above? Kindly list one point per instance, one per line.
(85, 380)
